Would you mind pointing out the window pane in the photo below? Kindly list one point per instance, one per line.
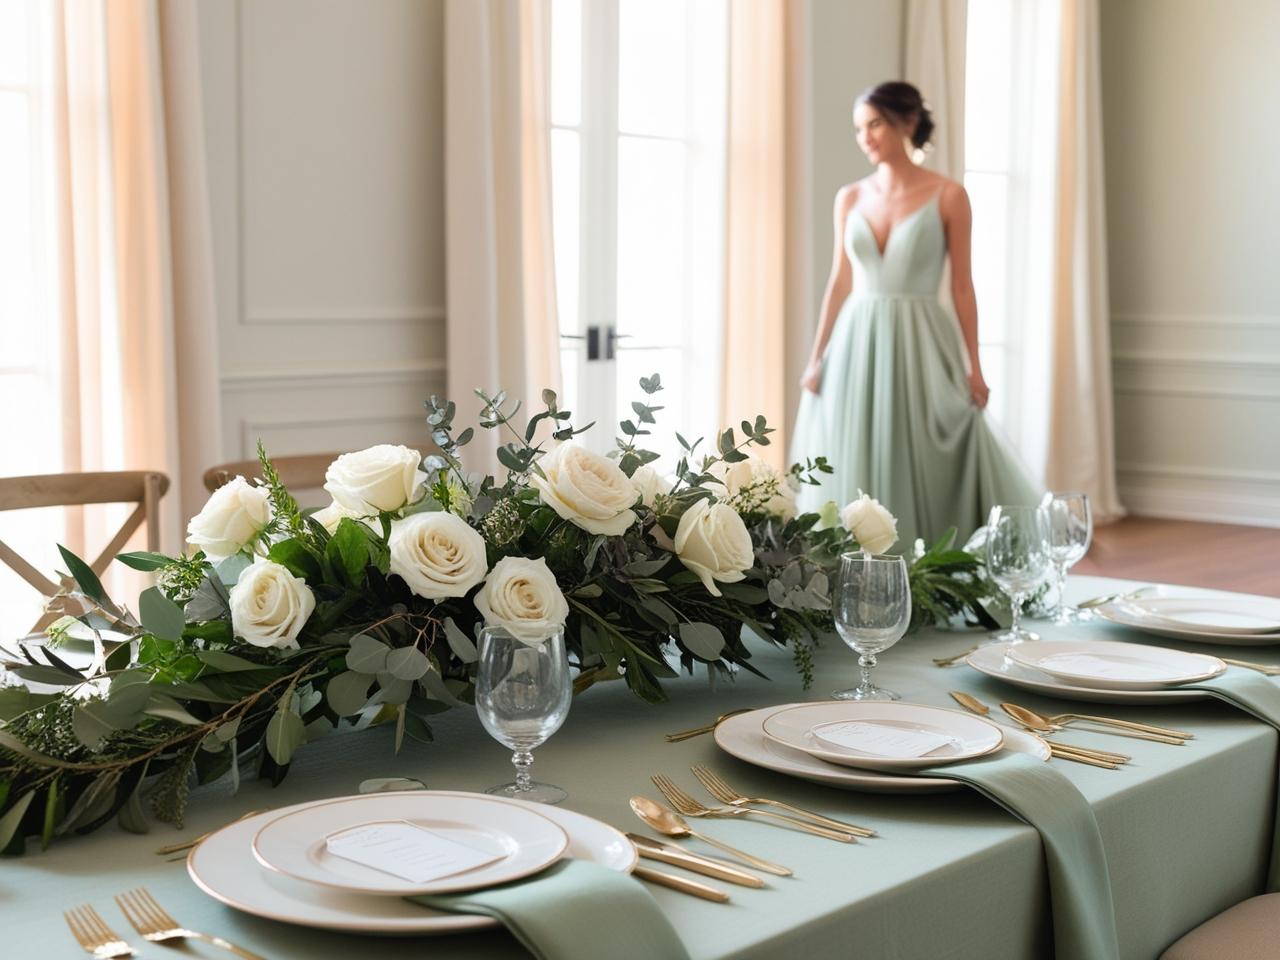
(566, 62)
(17, 276)
(14, 39)
(566, 187)
(988, 84)
(989, 196)
(652, 221)
(652, 84)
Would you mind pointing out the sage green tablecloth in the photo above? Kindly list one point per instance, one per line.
(1187, 830)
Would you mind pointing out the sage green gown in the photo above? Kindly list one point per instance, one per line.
(893, 414)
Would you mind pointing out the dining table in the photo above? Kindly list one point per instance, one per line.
(1187, 830)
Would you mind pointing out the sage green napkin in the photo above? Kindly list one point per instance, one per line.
(1084, 920)
(574, 910)
(1260, 696)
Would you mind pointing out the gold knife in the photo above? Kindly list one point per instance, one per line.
(665, 853)
(692, 887)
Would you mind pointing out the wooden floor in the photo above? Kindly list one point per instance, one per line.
(1218, 555)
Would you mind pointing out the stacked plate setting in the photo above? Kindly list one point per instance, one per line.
(870, 746)
(1202, 616)
(279, 865)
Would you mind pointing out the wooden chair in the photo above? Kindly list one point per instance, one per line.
(1247, 931)
(304, 472)
(143, 487)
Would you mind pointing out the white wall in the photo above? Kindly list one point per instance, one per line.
(324, 126)
(1191, 99)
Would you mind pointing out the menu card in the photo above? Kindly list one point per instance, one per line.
(405, 850)
(1091, 665)
(881, 740)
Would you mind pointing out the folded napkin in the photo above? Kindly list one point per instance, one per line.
(1084, 921)
(1260, 696)
(574, 910)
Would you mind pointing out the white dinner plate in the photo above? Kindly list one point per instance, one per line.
(1109, 665)
(524, 841)
(742, 736)
(1229, 615)
(1124, 612)
(991, 660)
(802, 728)
(223, 866)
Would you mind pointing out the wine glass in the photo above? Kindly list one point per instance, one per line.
(523, 692)
(1070, 532)
(871, 609)
(1017, 559)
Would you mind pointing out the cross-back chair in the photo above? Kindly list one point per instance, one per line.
(302, 472)
(141, 487)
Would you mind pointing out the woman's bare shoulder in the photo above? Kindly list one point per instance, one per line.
(951, 193)
(847, 195)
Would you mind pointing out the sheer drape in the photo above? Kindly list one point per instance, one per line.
(933, 60)
(502, 326)
(136, 307)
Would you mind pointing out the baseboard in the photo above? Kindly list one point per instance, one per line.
(1208, 507)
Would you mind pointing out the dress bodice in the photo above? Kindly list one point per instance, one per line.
(911, 264)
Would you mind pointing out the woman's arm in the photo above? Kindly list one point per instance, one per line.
(839, 286)
(958, 218)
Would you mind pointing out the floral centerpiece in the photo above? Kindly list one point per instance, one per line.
(283, 625)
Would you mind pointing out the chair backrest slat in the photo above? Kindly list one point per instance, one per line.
(303, 472)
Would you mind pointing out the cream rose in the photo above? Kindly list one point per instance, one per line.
(437, 554)
(231, 518)
(380, 479)
(758, 485)
(871, 524)
(713, 542)
(522, 597)
(332, 515)
(649, 484)
(270, 606)
(586, 489)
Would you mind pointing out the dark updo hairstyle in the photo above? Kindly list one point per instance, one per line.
(901, 103)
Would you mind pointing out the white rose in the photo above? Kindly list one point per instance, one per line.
(332, 515)
(713, 542)
(764, 487)
(437, 554)
(270, 606)
(871, 524)
(586, 489)
(377, 480)
(233, 516)
(649, 484)
(522, 596)
(732, 476)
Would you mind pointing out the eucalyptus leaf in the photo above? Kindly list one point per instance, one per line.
(367, 654)
(91, 721)
(225, 662)
(229, 570)
(38, 673)
(434, 686)
(169, 709)
(461, 645)
(285, 733)
(10, 822)
(393, 689)
(94, 801)
(348, 692)
(702, 640)
(160, 615)
(15, 701)
(144, 560)
(210, 601)
(85, 578)
(407, 663)
(131, 816)
(645, 568)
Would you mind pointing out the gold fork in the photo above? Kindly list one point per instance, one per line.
(948, 661)
(717, 787)
(92, 933)
(150, 919)
(690, 807)
(706, 728)
(1269, 669)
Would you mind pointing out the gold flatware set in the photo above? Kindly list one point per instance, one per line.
(147, 917)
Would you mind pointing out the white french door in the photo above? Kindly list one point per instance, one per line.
(638, 105)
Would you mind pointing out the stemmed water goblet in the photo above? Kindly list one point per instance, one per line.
(871, 609)
(523, 692)
(1017, 559)
(1070, 532)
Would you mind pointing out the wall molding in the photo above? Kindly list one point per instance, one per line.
(250, 430)
(1181, 472)
(357, 316)
(342, 378)
(1204, 506)
(1220, 376)
(1197, 319)
(1238, 361)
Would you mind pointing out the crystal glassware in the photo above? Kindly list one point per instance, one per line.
(1070, 532)
(523, 692)
(872, 609)
(1017, 559)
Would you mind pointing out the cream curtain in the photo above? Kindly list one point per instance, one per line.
(139, 348)
(761, 230)
(933, 60)
(502, 324)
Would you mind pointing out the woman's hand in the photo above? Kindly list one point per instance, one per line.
(811, 380)
(978, 389)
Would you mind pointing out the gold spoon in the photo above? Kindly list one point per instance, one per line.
(1062, 751)
(1269, 670)
(699, 731)
(1042, 724)
(673, 825)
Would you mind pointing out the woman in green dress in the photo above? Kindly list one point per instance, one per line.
(894, 395)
